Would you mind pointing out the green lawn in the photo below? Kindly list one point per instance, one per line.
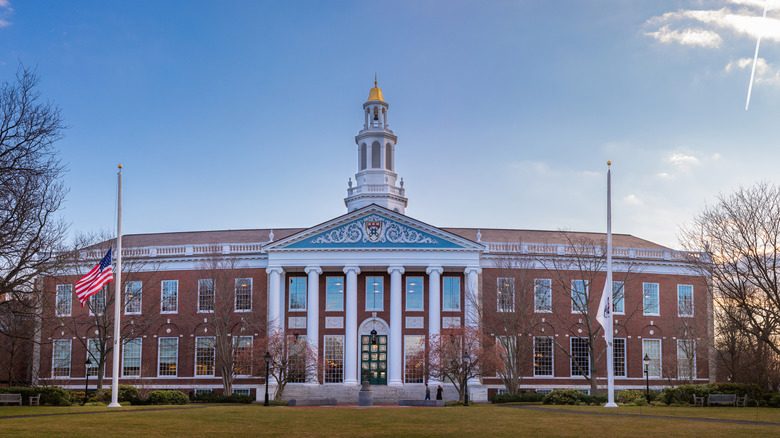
(481, 420)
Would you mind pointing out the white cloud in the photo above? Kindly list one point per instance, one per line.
(5, 10)
(683, 161)
(632, 200)
(715, 156)
(664, 175)
(687, 37)
(5, 4)
(765, 72)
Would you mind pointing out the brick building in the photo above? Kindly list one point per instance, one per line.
(377, 271)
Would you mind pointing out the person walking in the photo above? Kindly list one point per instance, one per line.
(427, 392)
(439, 390)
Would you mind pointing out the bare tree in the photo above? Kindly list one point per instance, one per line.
(292, 359)
(459, 354)
(18, 335)
(741, 234)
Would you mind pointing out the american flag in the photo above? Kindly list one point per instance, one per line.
(91, 283)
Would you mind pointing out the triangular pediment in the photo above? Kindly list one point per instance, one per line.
(374, 228)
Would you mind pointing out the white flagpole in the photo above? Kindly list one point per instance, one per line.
(117, 299)
(608, 334)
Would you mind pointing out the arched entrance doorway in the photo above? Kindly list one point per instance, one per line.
(373, 351)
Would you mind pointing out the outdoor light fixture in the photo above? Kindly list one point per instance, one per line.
(267, 358)
(296, 335)
(465, 378)
(87, 366)
(646, 361)
(373, 337)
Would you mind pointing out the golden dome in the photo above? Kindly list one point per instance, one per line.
(375, 93)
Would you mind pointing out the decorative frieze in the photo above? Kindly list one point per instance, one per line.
(334, 322)
(450, 322)
(415, 322)
(296, 322)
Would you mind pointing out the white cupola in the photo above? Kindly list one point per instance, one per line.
(375, 180)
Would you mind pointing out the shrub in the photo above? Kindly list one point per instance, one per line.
(634, 397)
(521, 397)
(211, 397)
(564, 397)
(127, 393)
(49, 396)
(683, 394)
(167, 398)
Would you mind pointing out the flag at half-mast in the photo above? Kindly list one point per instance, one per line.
(605, 308)
(91, 283)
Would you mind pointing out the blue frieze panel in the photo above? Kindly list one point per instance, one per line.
(373, 231)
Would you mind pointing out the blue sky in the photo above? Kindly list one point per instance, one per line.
(242, 114)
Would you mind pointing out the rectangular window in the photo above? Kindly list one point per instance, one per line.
(242, 391)
(580, 359)
(242, 355)
(296, 359)
(684, 300)
(506, 294)
(542, 295)
(686, 359)
(375, 293)
(414, 359)
(579, 296)
(543, 356)
(414, 293)
(652, 348)
(618, 297)
(168, 356)
(131, 357)
(133, 297)
(619, 356)
(650, 299)
(204, 355)
(243, 294)
(334, 293)
(97, 302)
(205, 295)
(334, 359)
(60, 366)
(93, 354)
(450, 300)
(169, 302)
(297, 293)
(64, 300)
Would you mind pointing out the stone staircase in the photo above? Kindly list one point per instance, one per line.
(349, 394)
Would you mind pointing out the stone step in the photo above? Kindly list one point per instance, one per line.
(382, 394)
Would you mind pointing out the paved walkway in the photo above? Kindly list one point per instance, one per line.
(665, 417)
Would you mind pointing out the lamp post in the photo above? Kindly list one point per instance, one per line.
(465, 378)
(646, 361)
(87, 366)
(267, 358)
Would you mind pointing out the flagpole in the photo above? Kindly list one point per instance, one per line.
(608, 335)
(117, 297)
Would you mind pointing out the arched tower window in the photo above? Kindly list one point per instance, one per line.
(389, 156)
(376, 155)
(363, 156)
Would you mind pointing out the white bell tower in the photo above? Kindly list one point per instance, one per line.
(375, 181)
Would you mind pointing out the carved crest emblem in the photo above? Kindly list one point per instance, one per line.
(373, 230)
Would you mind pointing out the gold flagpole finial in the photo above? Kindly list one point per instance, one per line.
(375, 79)
(609, 163)
(120, 166)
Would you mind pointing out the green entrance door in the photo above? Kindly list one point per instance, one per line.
(373, 360)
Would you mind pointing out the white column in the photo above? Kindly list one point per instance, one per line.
(313, 315)
(274, 297)
(471, 317)
(396, 354)
(350, 328)
(434, 307)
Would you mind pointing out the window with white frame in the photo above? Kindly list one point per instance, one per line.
(93, 354)
(414, 293)
(204, 355)
(579, 296)
(133, 290)
(60, 366)
(167, 356)
(505, 299)
(651, 305)
(169, 301)
(242, 355)
(333, 351)
(64, 301)
(297, 293)
(618, 298)
(414, 359)
(243, 294)
(131, 357)
(334, 293)
(450, 298)
(686, 359)
(619, 356)
(542, 295)
(242, 391)
(97, 302)
(580, 357)
(652, 348)
(296, 359)
(375, 293)
(543, 356)
(684, 300)
(205, 295)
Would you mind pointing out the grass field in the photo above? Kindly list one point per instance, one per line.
(480, 420)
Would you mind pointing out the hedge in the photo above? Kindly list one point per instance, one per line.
(212, 397)
(49, 395)
(683, 394)
(167, 398)
(521, 397)
(572, 397)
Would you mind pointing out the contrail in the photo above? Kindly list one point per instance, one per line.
(755, 61)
